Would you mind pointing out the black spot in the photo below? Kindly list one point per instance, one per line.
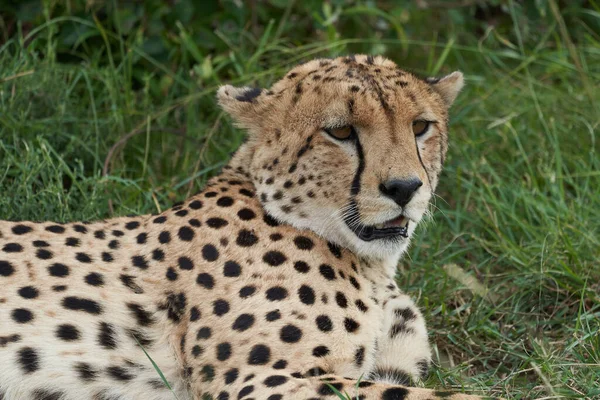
(171, 274)
(143, 317)
(185, 233)
(185, 263)
(175, 306)
(139, 262)
(40, 243)
(195, 205)
(391, 374)
(55, 229)
(28, 292)
(225, 201)
(205, 280)
(306, 295)
(246, 214)
(351, 325)
(107, 257)
(119, 373)
(210, 252)
(158, 255)
(280, 364)
(6, 268)
(195, 223)
(117, 233)
(220, 307)
(210, 194)
(83, 258)
(327, 272)
(28, 359)
(394, 394)
(159, 220)
(21, 315)
(59, 288)
(341, 300)
(303, 243)
(275, 380)
(276, 293)
(231, 375)
(181, 213)
(80, 228)
(132, 225)
(270, 220)
(247, 291)
(290, 334)
(274, 258)
(107, 336)
(301, 267)
(231, 269)
(85, 371)
(354, 283)
(197, 350)
(246, 193)
(246, 390)
(275, 397)
(204, 333)
(114, 244)
(81, 304)
(223, 351)
(216, 223)
(361, 305)
(249, 95)
(405, 313)
(58, 270)
(67, 332)
(243, 322)
(259, 355)
(324, 323)
(21, 229)
(140, 239)
(43, 254)
(72, 242)
(359, 356)
(246, 238)
(99, 234)
(335, 249)
(320, 351)
(12, 248)
(164, 237)
(326, 390)
(209, 373)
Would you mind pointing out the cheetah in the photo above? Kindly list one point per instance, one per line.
(275, 282)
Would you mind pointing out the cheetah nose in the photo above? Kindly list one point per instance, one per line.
(400, 190)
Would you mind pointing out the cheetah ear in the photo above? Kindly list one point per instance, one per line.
(448, 87)
(245, 104)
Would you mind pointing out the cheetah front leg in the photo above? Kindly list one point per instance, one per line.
(281, 385)
(403, 351)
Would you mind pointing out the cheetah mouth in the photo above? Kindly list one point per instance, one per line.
(397, 227)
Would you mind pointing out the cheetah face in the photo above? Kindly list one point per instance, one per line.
(350, 148)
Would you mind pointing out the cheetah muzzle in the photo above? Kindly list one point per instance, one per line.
(277, 281)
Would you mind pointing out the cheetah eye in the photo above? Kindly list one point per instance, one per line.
(420, 127)
(341, 133)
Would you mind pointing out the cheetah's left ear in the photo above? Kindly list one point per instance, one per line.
(246, 105)
(448, 87)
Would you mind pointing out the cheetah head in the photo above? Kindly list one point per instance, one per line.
(350, 148)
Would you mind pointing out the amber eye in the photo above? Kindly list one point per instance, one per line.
(341, 133)
(420, 127)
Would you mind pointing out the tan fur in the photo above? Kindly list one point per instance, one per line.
(254, 288)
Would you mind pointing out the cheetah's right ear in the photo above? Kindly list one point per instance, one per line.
(448, 87)
(246, 105)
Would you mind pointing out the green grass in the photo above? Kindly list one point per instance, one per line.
(508, 269)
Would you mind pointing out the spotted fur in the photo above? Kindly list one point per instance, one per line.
(256, 288)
